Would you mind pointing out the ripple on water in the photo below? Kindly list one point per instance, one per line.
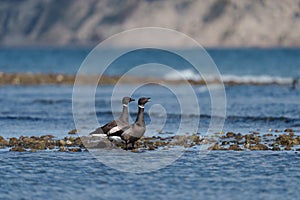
(231, 175)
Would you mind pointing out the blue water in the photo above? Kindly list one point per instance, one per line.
(40, 110)
(283, 62)
(226, 175)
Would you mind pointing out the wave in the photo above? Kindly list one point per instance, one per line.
(51, 101)
(189, 74)
(25, 118)
(206, 116)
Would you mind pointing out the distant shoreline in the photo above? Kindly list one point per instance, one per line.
(28, 79)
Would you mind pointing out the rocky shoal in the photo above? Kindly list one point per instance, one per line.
(69, 79)
(255, 141)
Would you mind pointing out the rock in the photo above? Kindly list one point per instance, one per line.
(73, 131)
(263, 147)
(291, 134)
(268, 135)
(289, 130)
(74, 150)
(17, 149)
(68, 143)
(47, 137)
(151, 148)
(3, 142)
(234, 147)
(215, 147)
(135, 150)
(96, 142)
(286, 140)
(61, 143)
(287, 148)
(13, 141)
(276, 148)
(195, 139)
(225, 143)
(62, 149)
(239, 136)
(230, 134)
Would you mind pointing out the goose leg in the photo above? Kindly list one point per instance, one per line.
(126, 147)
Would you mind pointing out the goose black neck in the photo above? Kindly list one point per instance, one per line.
(140, 116)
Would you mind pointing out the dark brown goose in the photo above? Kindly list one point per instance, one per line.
(136, 130)
(115, 127)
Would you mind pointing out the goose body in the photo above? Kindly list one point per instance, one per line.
(136, 130)
(115, 127)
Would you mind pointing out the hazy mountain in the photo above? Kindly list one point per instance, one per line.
(211, 22)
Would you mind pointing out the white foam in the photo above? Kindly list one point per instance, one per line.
(189, 74)
(261, 79)
(186, 74)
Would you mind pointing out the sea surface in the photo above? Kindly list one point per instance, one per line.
(256, 106)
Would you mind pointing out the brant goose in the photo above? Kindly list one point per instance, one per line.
(135, 131)
(114, 128)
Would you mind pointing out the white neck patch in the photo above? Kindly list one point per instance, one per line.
(141, 106)
(125, 105)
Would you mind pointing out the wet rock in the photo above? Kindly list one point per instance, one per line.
(287, 148)
(135, 150)
(78, 142)
(289, 130)
(268, 135)
(37, 145)
(13, 141)
(96, 142)
(216, 147)
(61, 143)
(159, 143)
(234, 147)
(18, 149)
(225, 143)
(73, 131)
(287, 140)
(230, 134)
(276, 148)
(239, 136)
(68, 143)
(151, 148)
(195, 139)
(291, 134)
(47, 137)
(74, 150)
(62, 149)
(3, 142)
(259, 147)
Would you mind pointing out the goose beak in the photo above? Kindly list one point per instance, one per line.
(148, 99)
(131, 99)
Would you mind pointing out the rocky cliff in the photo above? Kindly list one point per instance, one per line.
(211, 22)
